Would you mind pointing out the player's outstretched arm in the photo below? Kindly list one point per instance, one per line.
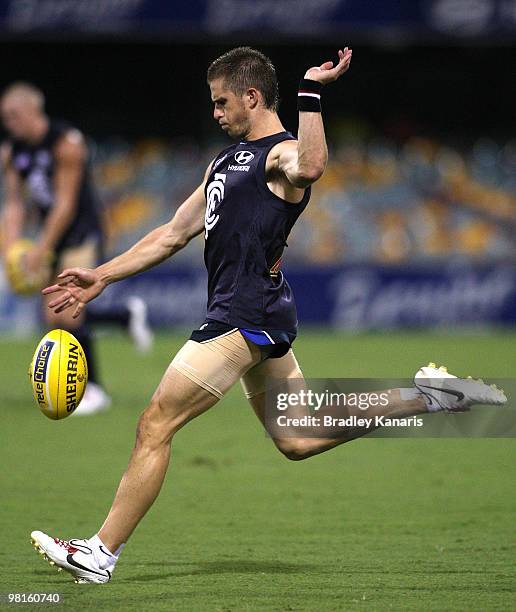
(78, 286)
(305, 163)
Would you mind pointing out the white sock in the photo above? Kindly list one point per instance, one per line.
(104, 557)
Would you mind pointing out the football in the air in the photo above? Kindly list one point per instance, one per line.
(58, 374)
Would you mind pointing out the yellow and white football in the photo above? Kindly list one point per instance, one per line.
(21, 281)
(58, 374)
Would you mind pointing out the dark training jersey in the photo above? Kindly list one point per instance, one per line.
(246, 230)
(35, 164)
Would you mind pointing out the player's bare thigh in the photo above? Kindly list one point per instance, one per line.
(199, 375)
(82, 256)
(254, 382)
(176, 401)
(285, 369)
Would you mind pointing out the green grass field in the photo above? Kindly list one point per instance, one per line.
(377, 524)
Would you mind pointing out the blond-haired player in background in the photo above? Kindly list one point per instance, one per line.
(46, 163)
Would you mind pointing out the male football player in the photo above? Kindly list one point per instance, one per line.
(49, 160)
(251, 195)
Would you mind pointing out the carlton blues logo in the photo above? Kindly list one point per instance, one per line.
(214, 196)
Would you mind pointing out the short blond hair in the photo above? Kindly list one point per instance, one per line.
(27, 90)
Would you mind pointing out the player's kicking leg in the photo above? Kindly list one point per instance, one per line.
(434, 390)
(198, 377)
(176, 401)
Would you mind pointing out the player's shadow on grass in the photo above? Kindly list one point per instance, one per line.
(233, 566)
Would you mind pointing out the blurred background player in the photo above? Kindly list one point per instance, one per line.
(47, 162)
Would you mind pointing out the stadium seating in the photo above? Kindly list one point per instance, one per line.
(376, 202)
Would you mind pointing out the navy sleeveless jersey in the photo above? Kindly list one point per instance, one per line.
(35, 165)
(246, 230)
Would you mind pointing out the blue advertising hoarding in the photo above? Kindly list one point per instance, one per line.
(458, 18)
(353, 297)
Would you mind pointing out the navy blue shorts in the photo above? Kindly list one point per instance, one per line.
(272, 343)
